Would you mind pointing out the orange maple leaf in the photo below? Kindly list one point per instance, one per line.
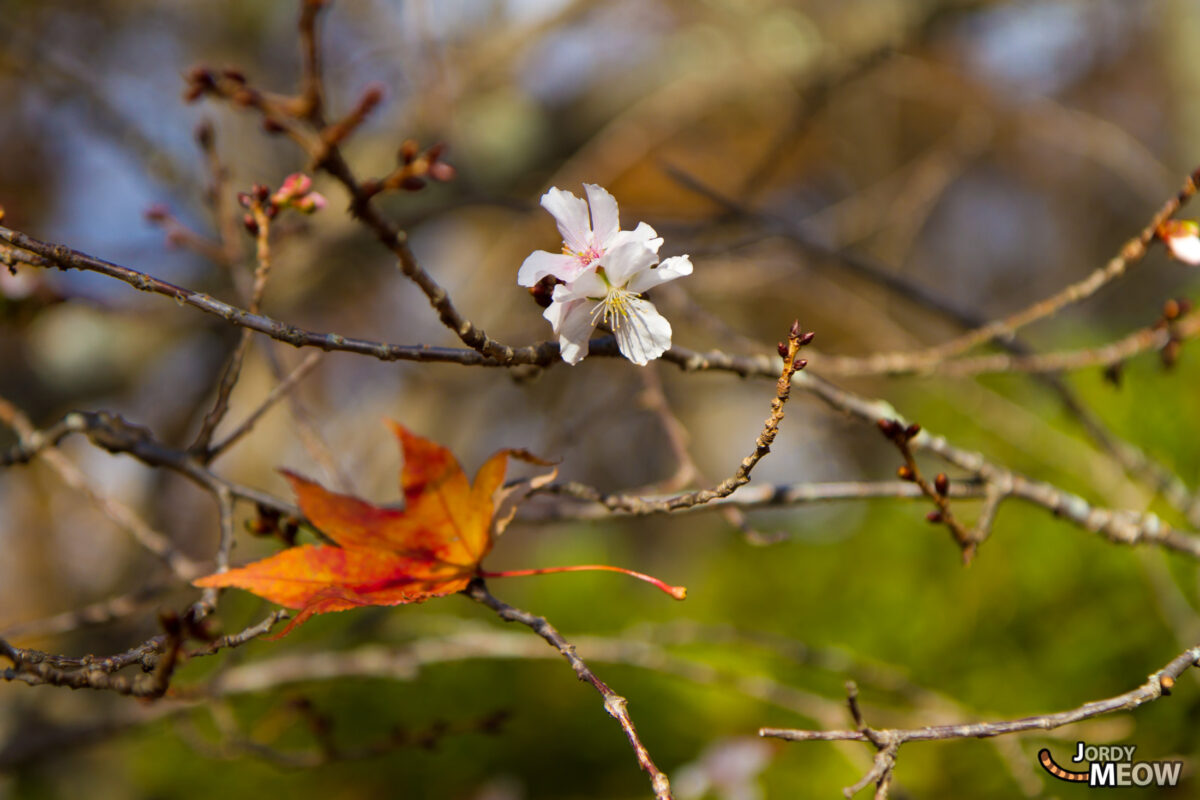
(387, 557)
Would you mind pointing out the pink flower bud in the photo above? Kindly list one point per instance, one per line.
(309, 203)
(294, 186)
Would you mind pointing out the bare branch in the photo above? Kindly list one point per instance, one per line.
(1160, 683)
(762, 445)
(276, 394)
(614, 704)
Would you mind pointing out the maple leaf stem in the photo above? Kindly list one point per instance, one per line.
(678, 592)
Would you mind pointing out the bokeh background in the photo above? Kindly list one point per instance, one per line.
(989, 152)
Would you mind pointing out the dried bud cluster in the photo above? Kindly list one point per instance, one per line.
(183, 627)
(895, 431)
(415, 169)
(271, 522)
(796, 340)
(203, 80)
(1173, 309)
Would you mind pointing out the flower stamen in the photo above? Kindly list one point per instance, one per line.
(613, 307)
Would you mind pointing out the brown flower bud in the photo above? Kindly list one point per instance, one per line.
(1170, 353)
(1113, 372)
(904, 472)
(941, 483)
(289, 530)
(911, 431)
(199, 629)
(170, 622)
(371, 97)
(783, 349)
(201, 77)
(543, 291)
(934, 516)
(204, 134)
(408, 151)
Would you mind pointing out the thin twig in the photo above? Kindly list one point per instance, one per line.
(92, 614)
(276, 394)
(312, 91)
(1140, 341)
(542, 354)
(42, 443)
(1133, 461)
(156, 656)
(747, 498)
(792, 364)
(655, 399)
(116, 435)
(900, 436)
(1160, 683)
(614, 704)
(1131, 253)
(233, 368)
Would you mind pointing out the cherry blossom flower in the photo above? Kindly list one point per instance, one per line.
(1183, 239)
(584, 242)
(612, 293)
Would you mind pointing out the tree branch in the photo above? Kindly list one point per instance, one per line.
(614, 704)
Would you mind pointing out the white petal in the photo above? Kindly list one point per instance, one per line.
(642, 233)
(541, 264)
(572, 321)
(605, 222)
(1185, 248)
(669, 270)
(587, 285)
(644, 334)
(627, 260)
(571, 214)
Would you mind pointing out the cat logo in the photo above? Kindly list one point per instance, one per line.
(1113, 766)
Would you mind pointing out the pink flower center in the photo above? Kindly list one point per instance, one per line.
(586, 257)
